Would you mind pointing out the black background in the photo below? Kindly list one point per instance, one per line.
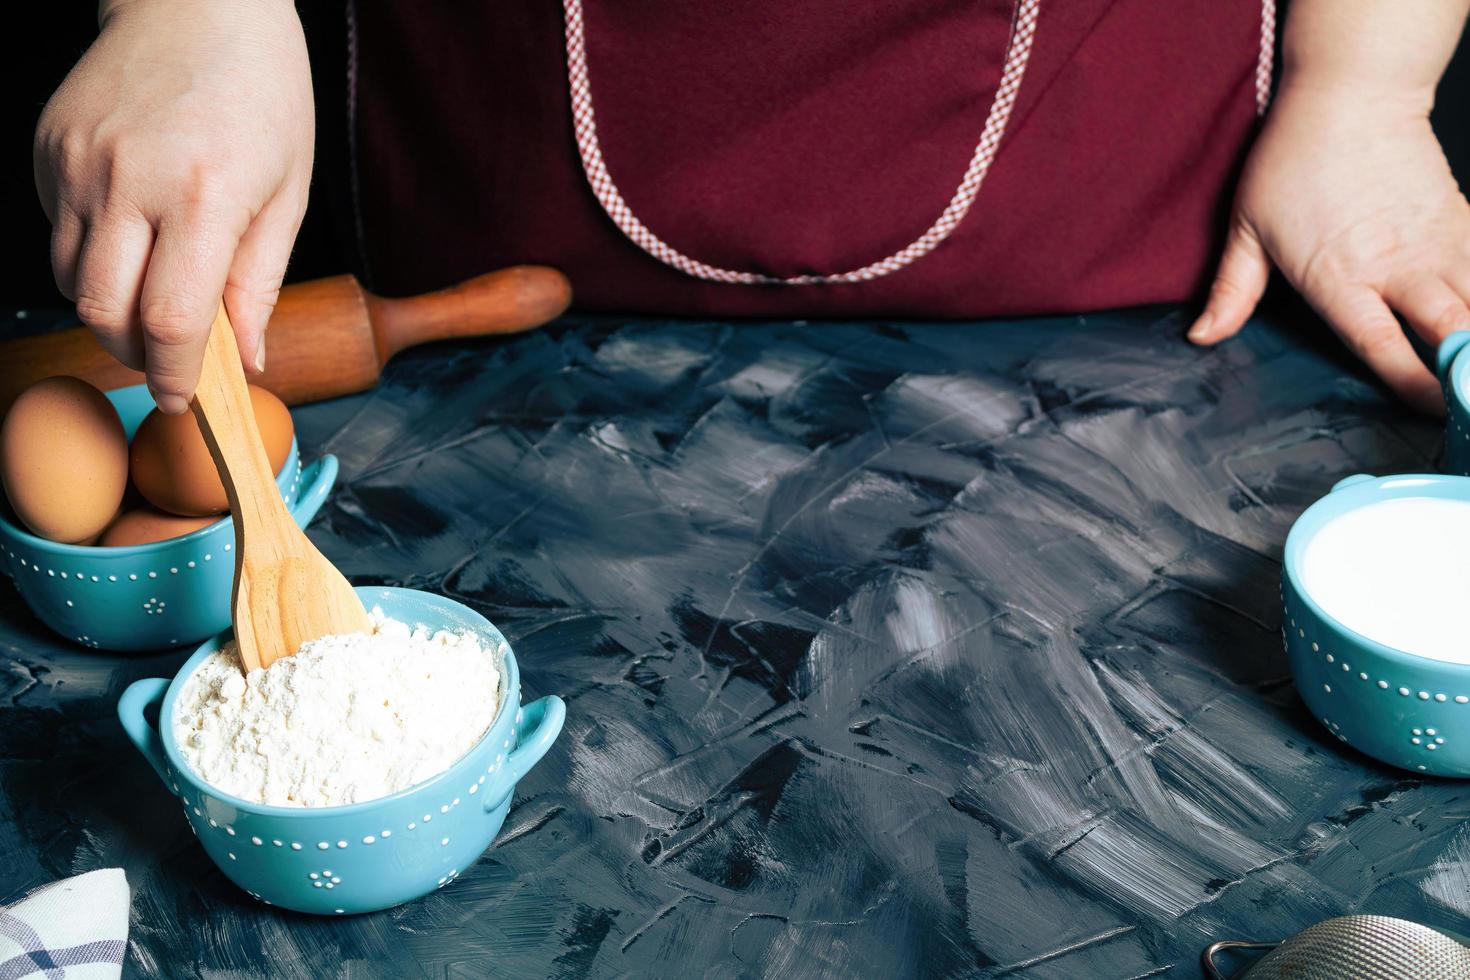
(61, 32)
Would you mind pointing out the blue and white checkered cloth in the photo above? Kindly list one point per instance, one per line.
(74, 929)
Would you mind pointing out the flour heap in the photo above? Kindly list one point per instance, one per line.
(347, 719)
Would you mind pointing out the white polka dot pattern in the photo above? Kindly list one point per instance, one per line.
(1366, 723)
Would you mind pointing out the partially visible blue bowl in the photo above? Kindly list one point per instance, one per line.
(1409, 711)
(144, 597)
(1454, 377)
(367, 856)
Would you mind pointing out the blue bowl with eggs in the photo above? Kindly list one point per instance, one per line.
(1407, 710)
(143, 597)
(367, 856)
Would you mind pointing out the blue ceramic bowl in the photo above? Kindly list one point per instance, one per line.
(147, 596)
(1408, 711)
(347, 859)
(1454, 376)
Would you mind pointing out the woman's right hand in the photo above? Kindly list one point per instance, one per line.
(174, 163)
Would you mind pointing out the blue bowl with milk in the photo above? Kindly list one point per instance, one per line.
(1374, 584)
(341, 860)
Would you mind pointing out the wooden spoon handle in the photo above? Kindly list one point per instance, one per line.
(286, 593)
(227, 420)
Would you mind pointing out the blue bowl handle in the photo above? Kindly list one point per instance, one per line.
(140, 696)
(1448, 348)
(317, 479)
(539, 726)
(1352, 481)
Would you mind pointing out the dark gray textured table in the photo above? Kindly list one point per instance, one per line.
(888, 650)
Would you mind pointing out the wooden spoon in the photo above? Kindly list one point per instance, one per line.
(286, 592)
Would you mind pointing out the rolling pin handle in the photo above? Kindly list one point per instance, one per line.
(505, 301)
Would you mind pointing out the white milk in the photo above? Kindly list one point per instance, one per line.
(1397, 572)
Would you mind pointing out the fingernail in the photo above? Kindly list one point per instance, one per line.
(260, 355)
(171, 404)
(1201, 328)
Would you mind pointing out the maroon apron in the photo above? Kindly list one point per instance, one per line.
(957, 158)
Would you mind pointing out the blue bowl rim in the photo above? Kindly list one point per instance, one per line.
(45, 546)
(1459, 367)
(1398, 486)
(510, 686)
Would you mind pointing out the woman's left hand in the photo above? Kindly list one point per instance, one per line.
(1348, 193)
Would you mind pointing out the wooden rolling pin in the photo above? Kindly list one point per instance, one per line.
(327, 337)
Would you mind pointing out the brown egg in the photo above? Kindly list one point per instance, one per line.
(145, 525)
(171, 465)
(63, 459)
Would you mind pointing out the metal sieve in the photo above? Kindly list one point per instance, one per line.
(1364, 947)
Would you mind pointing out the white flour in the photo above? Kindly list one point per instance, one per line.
(1397, 572)
(347, 719)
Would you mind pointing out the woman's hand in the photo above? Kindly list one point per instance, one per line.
(1348, 193)
(174, 163)
(1351, 197)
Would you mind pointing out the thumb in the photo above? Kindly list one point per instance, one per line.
(1239, 283)
(256, 274)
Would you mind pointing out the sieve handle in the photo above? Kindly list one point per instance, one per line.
(1207, 959)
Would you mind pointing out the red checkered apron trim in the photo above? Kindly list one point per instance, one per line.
(1266, 59)
(1018, 51)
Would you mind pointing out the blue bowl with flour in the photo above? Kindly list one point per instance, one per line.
(367, 856)
(1405, 709)
(148, 596)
